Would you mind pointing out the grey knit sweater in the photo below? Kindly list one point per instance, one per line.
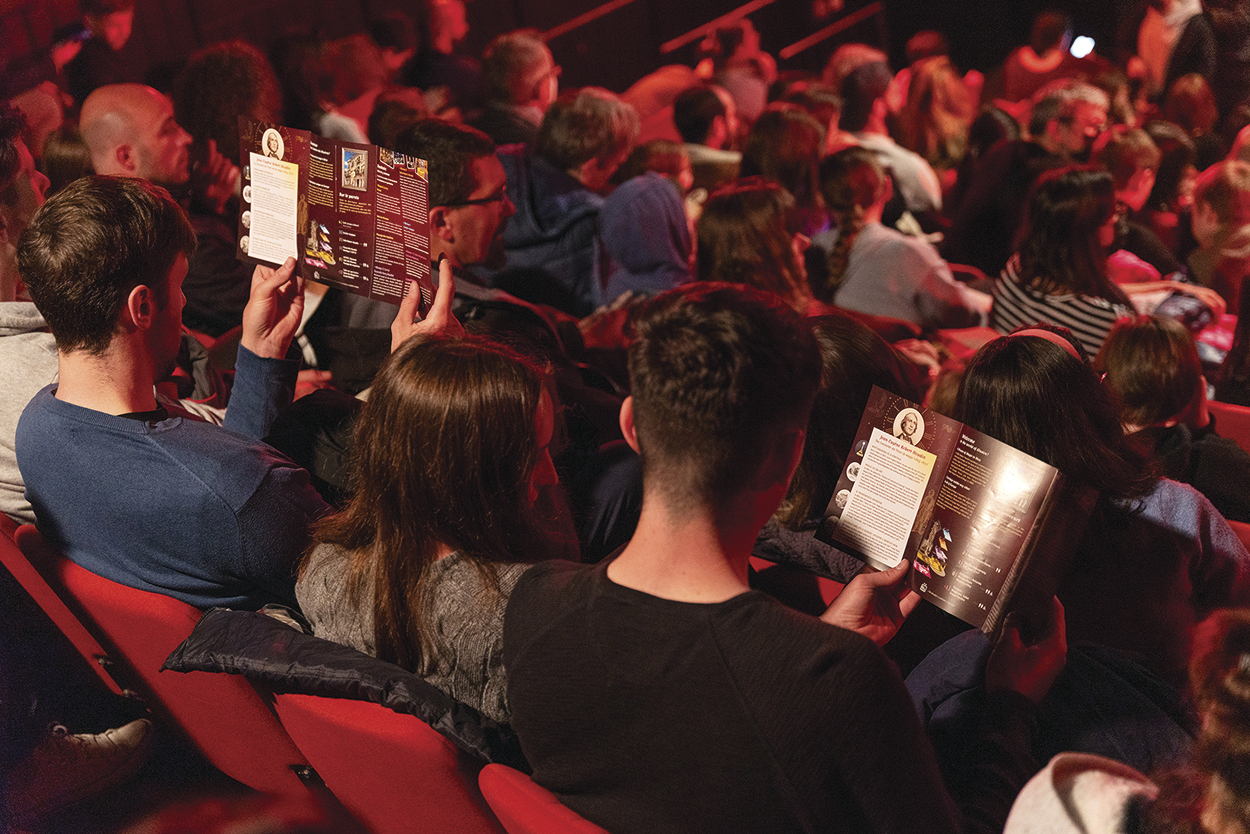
(467, 622)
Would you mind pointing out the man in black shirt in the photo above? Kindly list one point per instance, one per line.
(656, 692)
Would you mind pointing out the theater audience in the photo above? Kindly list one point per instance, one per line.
(451, 452)
(1151, 365)
(875, 269)
(455, 493)
(1067, 117)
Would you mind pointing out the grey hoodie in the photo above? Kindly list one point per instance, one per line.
(27, 365)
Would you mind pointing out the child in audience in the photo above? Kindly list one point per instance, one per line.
(1221, 223)
(1151, 364)
(877, 270)
(452, 459)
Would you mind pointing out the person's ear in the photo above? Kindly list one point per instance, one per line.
(628, 430)
(140, 307)
(440, 224)
(126, 158)
(880, 109)
(717, 133)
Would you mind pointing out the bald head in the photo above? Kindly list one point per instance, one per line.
(130, 131)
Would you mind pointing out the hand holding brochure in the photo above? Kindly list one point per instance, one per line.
(988, 528)
(353, 216)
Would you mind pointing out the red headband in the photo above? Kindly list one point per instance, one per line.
(1050, 336)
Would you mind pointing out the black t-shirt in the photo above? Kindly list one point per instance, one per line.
(650, 715)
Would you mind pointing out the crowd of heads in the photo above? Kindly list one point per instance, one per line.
(727, 375)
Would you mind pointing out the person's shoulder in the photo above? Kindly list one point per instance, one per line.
(552, 575)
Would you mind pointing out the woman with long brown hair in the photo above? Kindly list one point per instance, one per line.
(451, 459)
(749, 234)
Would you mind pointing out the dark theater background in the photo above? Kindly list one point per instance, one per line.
(611, 44)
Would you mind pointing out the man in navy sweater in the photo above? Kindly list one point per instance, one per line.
(126, 489)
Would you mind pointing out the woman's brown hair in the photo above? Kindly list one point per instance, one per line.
(443, 455)
(851, 181)
(746, 236)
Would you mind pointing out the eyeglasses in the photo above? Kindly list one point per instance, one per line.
(498, 196)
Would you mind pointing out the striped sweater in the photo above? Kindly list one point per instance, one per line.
(1089, 318)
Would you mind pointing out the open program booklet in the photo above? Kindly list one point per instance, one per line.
(353, 216)
(988, 528)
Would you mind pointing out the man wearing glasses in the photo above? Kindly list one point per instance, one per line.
(521, 80)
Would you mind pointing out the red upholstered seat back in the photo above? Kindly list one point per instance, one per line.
(526, 808)
(1232, 421)
(47, 599)
(391, 770)
(221, 714)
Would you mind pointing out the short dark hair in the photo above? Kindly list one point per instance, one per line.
(394, 110)
(581, 125)
(694, 110)
(90, 245)
(1151, 364)
(12, 126)
(860, 90)
(716, 371)
(450, 150)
